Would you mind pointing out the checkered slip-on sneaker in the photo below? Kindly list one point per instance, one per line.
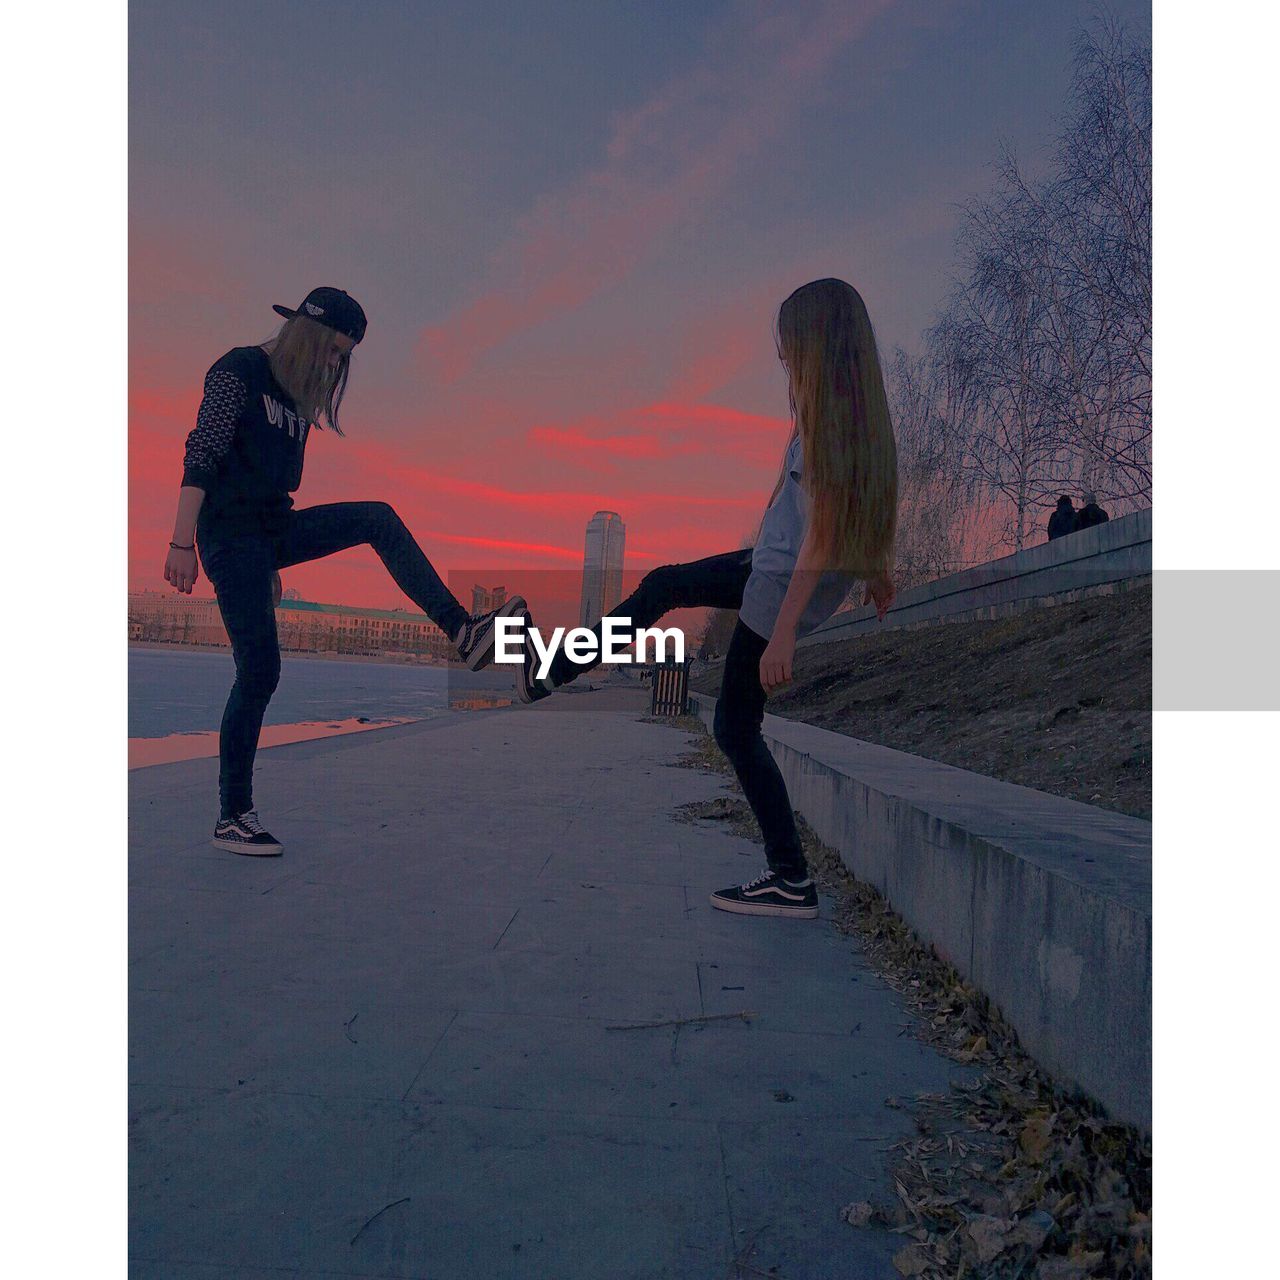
(476, 641)
(245, 834)
(528, 687)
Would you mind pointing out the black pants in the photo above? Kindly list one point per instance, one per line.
(718, 582)
(240, 567)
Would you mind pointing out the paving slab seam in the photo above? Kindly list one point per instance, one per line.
(381, 1099)
(508, 925)
(442, 1106)
(417, 1075)
(206, 843)
(291, 879)
(412, 1007)
(225, 1090)
(439, 1106)
(728, 1197)
(236, 1268)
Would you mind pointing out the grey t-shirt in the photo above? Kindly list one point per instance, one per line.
(774, 559)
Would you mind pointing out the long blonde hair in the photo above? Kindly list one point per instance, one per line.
(840, 410)
(299, 355)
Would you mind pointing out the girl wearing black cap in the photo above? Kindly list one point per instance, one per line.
(243, 460)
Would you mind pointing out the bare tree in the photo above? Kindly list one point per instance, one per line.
(938, 503)
(994, 318)
(1040, 362)
(1088, 257)
(1104, 183)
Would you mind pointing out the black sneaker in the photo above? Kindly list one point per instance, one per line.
(528, 687)
(244, 834)
(475, 641)
(770, 895)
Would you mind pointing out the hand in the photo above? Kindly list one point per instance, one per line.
(776, 660)
(277, 590)
(180, 569)
(882, 591)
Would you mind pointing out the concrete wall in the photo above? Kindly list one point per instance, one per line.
(1043, 903)
(1109, 557)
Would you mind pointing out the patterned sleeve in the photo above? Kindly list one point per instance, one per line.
(224, 398)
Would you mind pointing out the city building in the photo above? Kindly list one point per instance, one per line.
(306, 627)
(167, 617)
(302, 625)
(602, 566)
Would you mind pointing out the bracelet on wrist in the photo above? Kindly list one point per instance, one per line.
(177, 546)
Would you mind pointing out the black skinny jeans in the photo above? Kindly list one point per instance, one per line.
(718, 582)
(240, 567)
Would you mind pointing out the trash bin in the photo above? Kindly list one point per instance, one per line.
(670, 689)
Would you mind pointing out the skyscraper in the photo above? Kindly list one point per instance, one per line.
(602, 566)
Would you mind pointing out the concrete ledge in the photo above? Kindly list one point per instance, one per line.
(1043, 903)
(1109, 557)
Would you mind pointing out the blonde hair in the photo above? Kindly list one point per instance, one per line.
(299, 355)
(840, 410)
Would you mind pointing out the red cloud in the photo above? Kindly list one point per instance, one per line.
(539, 549)
(720, 416)
(617, 446)
(671, 430)
(486, 497)
(664, 162)
(450, 512)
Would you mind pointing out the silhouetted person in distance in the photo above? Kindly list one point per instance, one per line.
(1090, 514)
(1063, 520)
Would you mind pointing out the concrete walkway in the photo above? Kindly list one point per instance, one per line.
(389, 1053)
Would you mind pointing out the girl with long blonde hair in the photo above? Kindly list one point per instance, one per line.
(830, 522)
(243, 462)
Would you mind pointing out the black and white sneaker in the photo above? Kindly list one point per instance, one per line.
(770, 895)
(245, 834)
(528, 687)
(476, 640)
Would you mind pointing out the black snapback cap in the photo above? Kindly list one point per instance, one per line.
(333, 308)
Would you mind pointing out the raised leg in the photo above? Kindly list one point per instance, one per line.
(315, 532)
(716, 582)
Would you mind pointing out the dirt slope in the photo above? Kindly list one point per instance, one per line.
(1057, 698)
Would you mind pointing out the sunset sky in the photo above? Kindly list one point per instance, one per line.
(570, 225)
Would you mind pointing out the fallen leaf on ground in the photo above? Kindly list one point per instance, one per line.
(912, 1261)
(1063, 1269)
(1032, 1230)
(857, 1214)
(1083, 1257)
(1034, 1138)
(988, 1236)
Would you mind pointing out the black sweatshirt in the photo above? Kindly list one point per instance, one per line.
(246, 448)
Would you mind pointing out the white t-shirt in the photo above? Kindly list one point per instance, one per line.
(774, 559)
